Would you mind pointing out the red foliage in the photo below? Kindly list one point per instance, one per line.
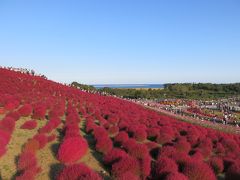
(4, 137)
(42, 140)
(197, 156)
(164, 138)
(72, 150)
(113, 130)
(78, 171)
(145, 165)
(230, 145)
(25, 110)
(166, 151)
(198, 171)
(128, 176)
(52, 138)
(31, 124)
(39, 112)
(7, 124)
(15, 115)
(176, 176)
(27, 160)
(90, 126)
(138, 151)
(113, 156)
(129, 144)
(11, 105)
(140, 135)
(51, 125)
(104, 144)
(126, 164)
(121, 137)
(29, 174)
(217, 164)
(182, 146)
(99, 132)
(164, 165)
(31, 146)
(152, 132)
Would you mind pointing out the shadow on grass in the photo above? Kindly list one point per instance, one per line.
(18, 173)
(55, 169)
(98, 156)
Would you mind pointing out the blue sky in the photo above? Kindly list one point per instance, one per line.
(123, 41)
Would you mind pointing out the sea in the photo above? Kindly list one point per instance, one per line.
(128, 86)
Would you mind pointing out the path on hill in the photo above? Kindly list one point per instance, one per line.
(204, 123)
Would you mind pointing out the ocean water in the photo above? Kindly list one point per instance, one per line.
(128, 86)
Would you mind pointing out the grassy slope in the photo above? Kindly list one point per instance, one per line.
(47, 156)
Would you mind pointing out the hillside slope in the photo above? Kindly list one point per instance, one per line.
(51, 131)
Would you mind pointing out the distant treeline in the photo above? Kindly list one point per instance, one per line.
(184, 91)
(83, 86)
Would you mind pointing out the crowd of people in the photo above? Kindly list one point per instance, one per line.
(24, 71)
(228, 116)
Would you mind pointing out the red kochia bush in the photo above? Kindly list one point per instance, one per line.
(140, 135)
(104, 144)
(11, 105)
(164, 165)
(126, 164)
(176, 176)
(78, 171)
(39, 112)
(198, 171)
(128, 176)
(42, 139)
(164, 138)
(113, 130)
(121, 137)
(52, 124)
(129, 144)
(29, 174)
(26, 110)
(7, 124)
(145, 165)
(99, 132)
(52, 137)
(182, 146)
(152, 132)
(15, 115)
(31, 146)
(72, 149)
(138, 151)
(31, 124)
(26, 161)
(217, 164)
(166, 151)
(4, 137)
(113, 156)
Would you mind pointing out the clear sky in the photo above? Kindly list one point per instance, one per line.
(123, 41)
